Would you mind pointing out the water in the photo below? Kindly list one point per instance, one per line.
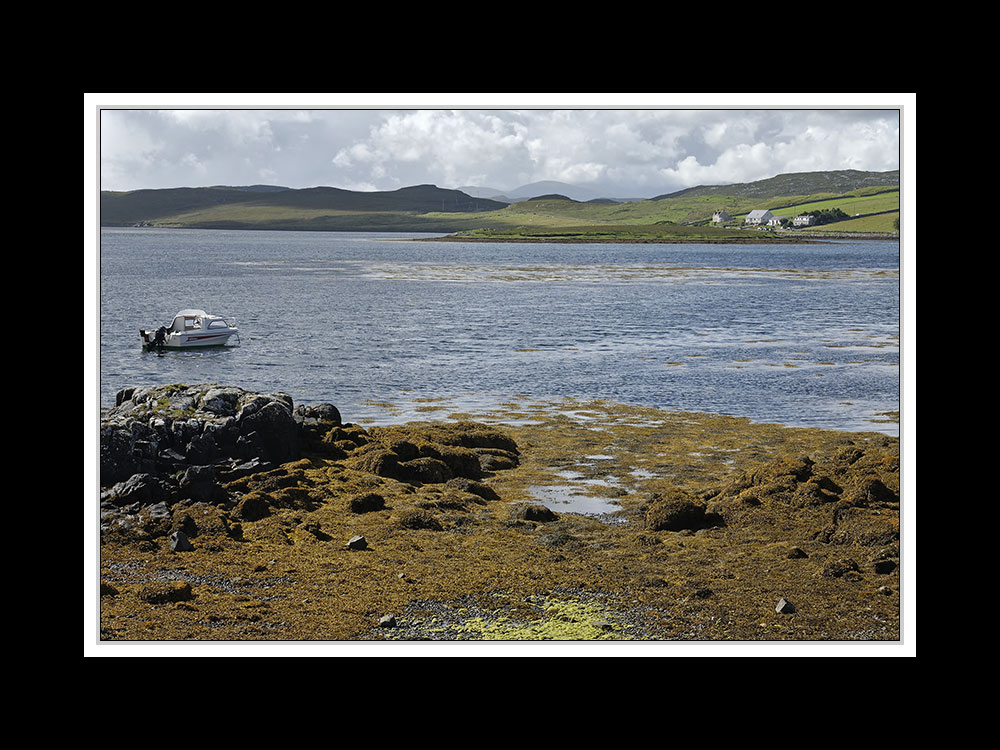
(804, 335)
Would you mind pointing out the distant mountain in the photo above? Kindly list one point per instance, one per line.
(552, 197)
(797, 183)
(482, 192)
(254, 188)
(550, 187)
(149, 206)
(537, 190)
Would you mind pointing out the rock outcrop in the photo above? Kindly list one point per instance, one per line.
(165, 429)
(185, 457)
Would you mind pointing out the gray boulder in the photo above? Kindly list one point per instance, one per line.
(164, 429)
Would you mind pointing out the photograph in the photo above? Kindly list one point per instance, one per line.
(499, 375)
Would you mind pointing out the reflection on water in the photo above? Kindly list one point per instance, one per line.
(568, 499)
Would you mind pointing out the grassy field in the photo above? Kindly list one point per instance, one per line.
(684, 218)
(849, 204)
(621, 233)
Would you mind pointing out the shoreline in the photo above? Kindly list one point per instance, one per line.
(715, 521)
(651, 241)
(814, 239)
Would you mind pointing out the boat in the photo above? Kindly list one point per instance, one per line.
(189, 329)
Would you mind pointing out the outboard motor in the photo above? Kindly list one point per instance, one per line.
(160, 338)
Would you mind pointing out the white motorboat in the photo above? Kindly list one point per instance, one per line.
(189, 329)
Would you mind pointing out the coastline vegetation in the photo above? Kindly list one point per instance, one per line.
(715, 525)
(682, 217)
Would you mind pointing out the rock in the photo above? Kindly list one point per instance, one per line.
(199, 483)
(275, 429)
(253, 507)
(473, 487)
(201, 449)
(462, 462)
(425, 470)
(179, 542)
(379, 461)
(144, 489)
(417, 518)
(163, 592)
(796, 553)
(869, 491)
(366, 503)
(165, 428)
(496, 459)
(531, 512)
(158, 511)
(387, 621)
(222, 401)
(837, 568)
(245, 469)
(784, 607)
(885, 566)
(108, 590)
(357, 542)
(320, 412)
(677, 511)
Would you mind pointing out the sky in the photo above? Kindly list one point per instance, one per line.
(622, 146)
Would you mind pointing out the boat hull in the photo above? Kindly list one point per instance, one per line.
(186, 340)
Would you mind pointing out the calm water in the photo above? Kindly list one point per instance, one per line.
(801, 335)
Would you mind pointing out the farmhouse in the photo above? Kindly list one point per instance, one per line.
(721, 216)
(805, 220)
(760, 216)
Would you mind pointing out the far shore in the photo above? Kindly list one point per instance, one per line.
(799, 240)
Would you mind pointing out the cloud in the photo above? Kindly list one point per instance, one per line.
(444, 147)
(621, 152)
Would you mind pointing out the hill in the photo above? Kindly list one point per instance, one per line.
(870, 199)
(798, 183)
(215, 206)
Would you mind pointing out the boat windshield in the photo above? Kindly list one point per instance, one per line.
(185, 323)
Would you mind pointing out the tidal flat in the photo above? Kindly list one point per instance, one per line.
(606, 523)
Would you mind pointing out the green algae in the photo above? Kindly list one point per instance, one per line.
(562, 620)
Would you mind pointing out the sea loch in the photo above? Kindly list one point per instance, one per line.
(383, 325)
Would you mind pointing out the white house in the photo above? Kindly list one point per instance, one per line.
(760, 216)
(805, 220)
(721, 216)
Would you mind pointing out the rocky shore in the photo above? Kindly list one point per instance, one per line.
(238, 516)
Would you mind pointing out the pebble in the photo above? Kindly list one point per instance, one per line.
(885, 566)
(180, 543)
(784, 607)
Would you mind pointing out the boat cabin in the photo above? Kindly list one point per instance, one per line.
(195, 320)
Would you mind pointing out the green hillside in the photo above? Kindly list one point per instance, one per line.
(281, 208)
(799, 183)
(869, 202)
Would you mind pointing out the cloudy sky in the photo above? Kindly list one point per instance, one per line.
(632, 147)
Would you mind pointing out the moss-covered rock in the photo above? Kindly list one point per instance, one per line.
(676, 510)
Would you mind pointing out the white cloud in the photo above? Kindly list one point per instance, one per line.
(446, 147)
(623, 152)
